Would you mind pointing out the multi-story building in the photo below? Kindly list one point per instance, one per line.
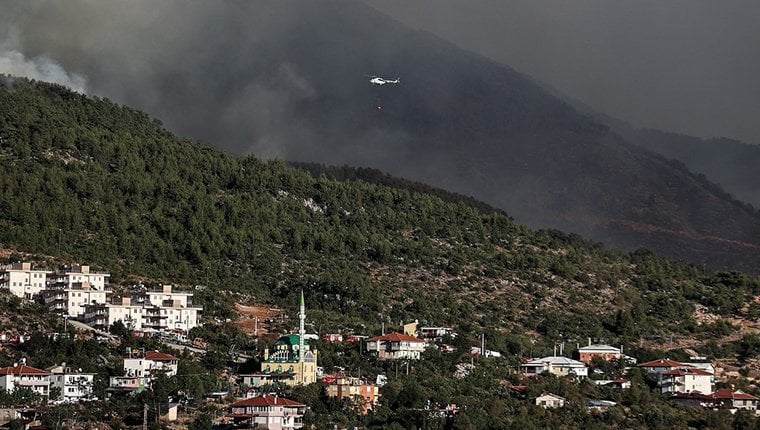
(71, 301)
(140, 312)
(269, 412)
(364, 395)
(686, 380)
(25, 377)
(74, 384)
(23, 280)
(149, 363)
(395, 346)
(141, 367)
(76, 275)
(70, 289)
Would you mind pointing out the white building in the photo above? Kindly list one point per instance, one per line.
(149, 363)
(396, 346)
(72, 301)
(686, 380)
(74, 384)
(76, 275)
(162, 295)
(556, 365)
(147, 311)
(70, 289)
(25, 377)
(23, 280)
(140, 368)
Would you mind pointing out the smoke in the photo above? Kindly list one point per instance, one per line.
(40, 68)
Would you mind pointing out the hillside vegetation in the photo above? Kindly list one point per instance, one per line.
(87, 180)
(287, 79)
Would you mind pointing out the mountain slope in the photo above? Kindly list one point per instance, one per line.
(730, 163)
(87, 180)
(289, 81)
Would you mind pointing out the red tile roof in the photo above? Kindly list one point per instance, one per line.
(727, 393)
(395, 337)
(663, 363)
(159, 356)
(687, 371)
(22, 370)
(268, 401)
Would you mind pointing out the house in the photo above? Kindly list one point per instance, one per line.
(395, 346)
(364, 395)
(587, 354)
(25, 377)
(23, 280)
(724, 398)
(599, 405)
(622, 384)
(692, 399)
(476, 352)
(549, 400)
(435, 333)
(556, 365)
(269, 412)
(661, 365)
(140, 368)
(73, 384)
(332, 337)
(150, 363)
(734, 400)
(128, 383)
(686, 380)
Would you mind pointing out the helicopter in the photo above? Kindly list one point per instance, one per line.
(376, 80)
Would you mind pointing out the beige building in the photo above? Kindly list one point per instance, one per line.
(550, 401)
(364, 395)
(292, 362)
(23, 280)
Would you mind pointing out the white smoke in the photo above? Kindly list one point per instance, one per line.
(15, 63)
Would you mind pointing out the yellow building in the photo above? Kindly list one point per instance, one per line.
(291, 362)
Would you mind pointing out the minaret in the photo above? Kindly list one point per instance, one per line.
(301, 331)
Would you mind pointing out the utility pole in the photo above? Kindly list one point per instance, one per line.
(145, 417)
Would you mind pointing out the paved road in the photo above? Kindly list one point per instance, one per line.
(83, 326)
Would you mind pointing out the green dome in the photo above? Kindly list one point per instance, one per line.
(291, 340)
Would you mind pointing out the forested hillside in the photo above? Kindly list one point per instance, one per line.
(288, 79)
(86, 180)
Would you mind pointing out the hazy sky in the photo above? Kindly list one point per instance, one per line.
(691, 66)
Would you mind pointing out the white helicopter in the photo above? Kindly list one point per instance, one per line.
(376, 80)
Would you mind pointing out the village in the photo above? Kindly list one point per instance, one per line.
(85, 301)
